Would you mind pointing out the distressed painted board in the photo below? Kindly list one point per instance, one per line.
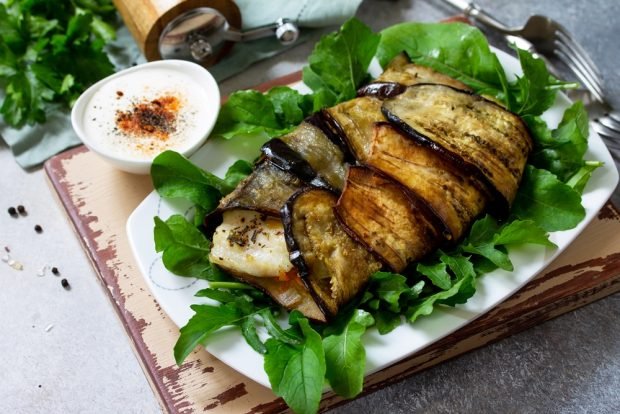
(98, 199)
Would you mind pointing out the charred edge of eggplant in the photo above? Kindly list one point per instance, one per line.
(285, 158)
(295, 254)
(414, 200)
(499, 204)
(326, 123)
(382, 90)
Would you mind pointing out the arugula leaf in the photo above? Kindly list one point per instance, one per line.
(437, 274)
(461, 290)
(174, 176)
(547, 201)
(185, 249)
(345, 356)
(579, 180)
(207, 320)
(456, 49)
(536, 89)
(248, 112)
(561, 151)
(339, 62)
(297, 372)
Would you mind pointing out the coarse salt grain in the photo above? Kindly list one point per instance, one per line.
(49, 327)
(6, 258)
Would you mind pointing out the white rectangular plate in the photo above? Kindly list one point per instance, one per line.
(175, 294)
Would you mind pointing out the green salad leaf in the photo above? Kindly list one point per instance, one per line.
(345, 355)
(297, 372)
(185, 249)
(456, 49)
(547, 201)
(339, 63)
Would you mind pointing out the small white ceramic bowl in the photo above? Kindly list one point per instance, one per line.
(94, 113)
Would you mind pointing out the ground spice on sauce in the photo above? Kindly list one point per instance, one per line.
(157, 118)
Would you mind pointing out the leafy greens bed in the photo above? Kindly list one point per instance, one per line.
(300, 357)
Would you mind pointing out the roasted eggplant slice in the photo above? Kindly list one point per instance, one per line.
(333, 265)
(354, 121)
(384, 216)
(454, 196)
(321, 156)
(251, 246)
(265, 190)
(474, 133)
(402, 70)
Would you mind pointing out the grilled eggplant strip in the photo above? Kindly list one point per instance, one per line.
(455, 197)
(401, 70)
(333, 265)
(309, 144)
(382, 215)
(473, 132)
(265, 190)
(354, 120)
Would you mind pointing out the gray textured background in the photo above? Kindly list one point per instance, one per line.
(85, 363)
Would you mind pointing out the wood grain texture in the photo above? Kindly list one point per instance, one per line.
(146, 19)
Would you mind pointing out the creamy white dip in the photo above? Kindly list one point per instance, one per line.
(126, 97)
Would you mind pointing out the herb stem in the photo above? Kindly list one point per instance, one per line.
(229, 285)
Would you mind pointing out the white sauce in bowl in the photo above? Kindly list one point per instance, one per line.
(141, 113)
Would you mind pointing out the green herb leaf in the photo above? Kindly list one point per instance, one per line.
(207, 320)
(174, 176)
(345, 356)
(579, 180)
(456, 49)
(185, 249)
(297, 372)
(437, 274)
(339, 62)
(561, 151)
(252, 112)
(547, 201)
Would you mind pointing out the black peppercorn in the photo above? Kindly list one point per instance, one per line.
(21, 209)
(55, 271)
(65, 284)
(12, 211)
(38, 228)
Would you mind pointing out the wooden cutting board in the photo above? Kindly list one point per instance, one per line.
(98, 200)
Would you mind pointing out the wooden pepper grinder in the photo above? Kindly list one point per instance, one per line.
(164, 29)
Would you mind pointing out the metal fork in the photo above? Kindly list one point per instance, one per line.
(547, 37)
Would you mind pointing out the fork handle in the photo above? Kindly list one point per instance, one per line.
(477, 14)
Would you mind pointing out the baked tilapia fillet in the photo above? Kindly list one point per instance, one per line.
(377, 182)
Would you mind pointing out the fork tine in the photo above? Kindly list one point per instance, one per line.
(615, 116)
(610, 123)
(562, 32)
(581, 73)
(594, 79)
(605, 132)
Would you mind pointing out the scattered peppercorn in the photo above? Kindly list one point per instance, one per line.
(6, 249)
(12, 212)
(55, 271)
(38, 228)
(65, 284)
(21, 209)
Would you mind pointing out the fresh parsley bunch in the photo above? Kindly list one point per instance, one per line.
(50, 51)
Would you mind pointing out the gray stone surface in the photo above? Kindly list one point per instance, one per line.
(85, 363)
